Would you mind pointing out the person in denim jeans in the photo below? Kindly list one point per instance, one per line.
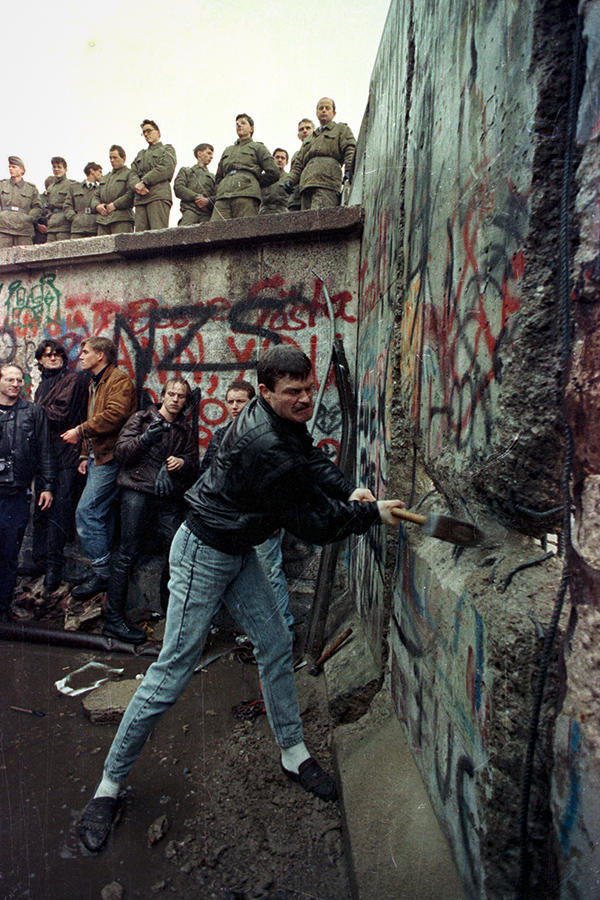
(112, 400)
(266, 474)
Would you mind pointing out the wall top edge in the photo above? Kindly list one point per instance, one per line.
(301, 226)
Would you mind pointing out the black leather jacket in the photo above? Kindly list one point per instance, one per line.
(26, 438)
(140, 465)
(267, 474)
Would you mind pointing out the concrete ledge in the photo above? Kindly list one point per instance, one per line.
(344, 220)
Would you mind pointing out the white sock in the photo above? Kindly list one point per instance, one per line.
(293, 757)
(107, 788)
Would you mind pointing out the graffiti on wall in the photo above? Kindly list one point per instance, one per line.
(465, 263)
(211, 342)
(438, 686)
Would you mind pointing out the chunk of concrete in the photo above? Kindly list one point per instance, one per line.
(108, 702)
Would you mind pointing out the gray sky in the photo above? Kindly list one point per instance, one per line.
(86, 74)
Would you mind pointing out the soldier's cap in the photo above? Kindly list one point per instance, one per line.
(16, 161)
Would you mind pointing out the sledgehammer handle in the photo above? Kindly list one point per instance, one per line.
(408, 516)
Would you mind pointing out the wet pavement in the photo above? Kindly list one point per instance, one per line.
(50, 764)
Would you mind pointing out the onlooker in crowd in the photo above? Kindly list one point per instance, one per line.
(318, 166)
(62, 393)
(237, 396)
(113, 199)
(274, 198)
(243, 169)
(25, 452)
(195, 187)
(20, 206)
(112, 400)
(150, 176)
(79, 205)
(158, 454)
(305, 129)
(266, 474)
(59, 227)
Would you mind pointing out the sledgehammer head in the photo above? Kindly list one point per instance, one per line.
(452, 530)
(442, 527)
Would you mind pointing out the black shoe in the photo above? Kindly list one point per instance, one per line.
(123, 631)
(52, 579)
(314, 780)
(96, 822)
(89, 588)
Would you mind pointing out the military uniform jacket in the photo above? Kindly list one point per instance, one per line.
(193, 182)
(155, 167)
(79, 208)
(321, 157)
(244, 168)
(114, 188)
(57, 194)
(20, 207)
(274, 198)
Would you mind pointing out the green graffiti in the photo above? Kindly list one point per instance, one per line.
(37, 306)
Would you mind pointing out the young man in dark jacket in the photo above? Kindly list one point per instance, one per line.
(62, 393)
(25, 451)
(159, 459)
(266, 474)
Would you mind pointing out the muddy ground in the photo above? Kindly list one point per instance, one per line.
(229, 823)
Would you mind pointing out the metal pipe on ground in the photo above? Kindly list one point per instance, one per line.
(37, 634)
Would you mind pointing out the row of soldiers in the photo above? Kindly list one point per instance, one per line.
(249, 180)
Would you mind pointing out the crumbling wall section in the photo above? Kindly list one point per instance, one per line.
(460, 298)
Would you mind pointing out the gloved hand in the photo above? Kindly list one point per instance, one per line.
(346, 179)
(163, 486)
(153, 433)
(288, 187)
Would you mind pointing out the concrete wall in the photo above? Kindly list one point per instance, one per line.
(459, 171)
(201, 302)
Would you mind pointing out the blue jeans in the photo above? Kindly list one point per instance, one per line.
(269, 554)
(94, 517)
(14, 516)
(201, 578)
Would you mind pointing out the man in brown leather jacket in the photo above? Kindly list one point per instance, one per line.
(244, 168)
(112, 400)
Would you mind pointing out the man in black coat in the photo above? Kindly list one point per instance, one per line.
(63, 394)
(266, 474)
(159, 459)
(25, 451)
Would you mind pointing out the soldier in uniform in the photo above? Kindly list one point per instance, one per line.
(150, 177)
(79, 205)
(244, 168)
(305, 129)
(20, 206)
(274, 198)
(195, 187)
(318, 166)
(59, 227)
(113, 199)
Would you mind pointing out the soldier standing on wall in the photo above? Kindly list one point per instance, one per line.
(151, 173)
(20, 206)
(318, 166)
